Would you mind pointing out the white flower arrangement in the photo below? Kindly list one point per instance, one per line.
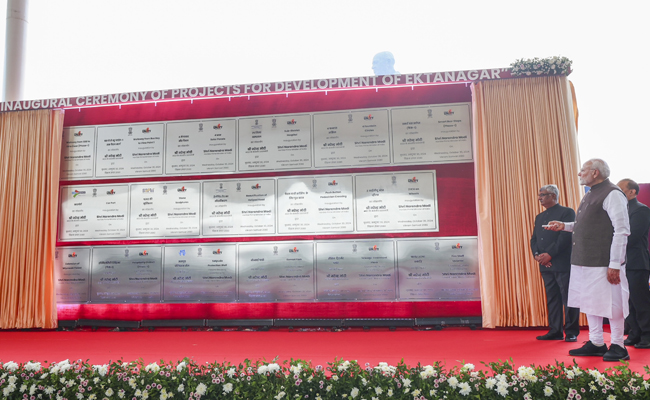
(541, 66)
(279, 381)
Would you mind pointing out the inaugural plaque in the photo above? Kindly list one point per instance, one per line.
(272, 143)
(440, 269)
(126, 275)
(233, 207)
(165, 209)
(200, 147)
(77, 153)
(321, 204)
(349, 271)
(129, 150)
(272, 272)
(432, 134)
(200, 273)
(393, 202)
(71, 275)
(351, 139)
(93, 212)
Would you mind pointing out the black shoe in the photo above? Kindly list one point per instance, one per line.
(616, 353)
(589, 349)
(643, 344)
(571, 338)
(631, 341)
(548, 336)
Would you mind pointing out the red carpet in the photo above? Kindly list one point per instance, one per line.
(450, 345)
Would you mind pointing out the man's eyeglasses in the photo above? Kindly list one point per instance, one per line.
(543, 194)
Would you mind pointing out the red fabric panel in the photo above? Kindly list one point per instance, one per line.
(137, 312)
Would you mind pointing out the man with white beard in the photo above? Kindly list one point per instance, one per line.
(598, 285)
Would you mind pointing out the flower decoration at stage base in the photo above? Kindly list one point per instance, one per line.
(541, 66)
(299, 379)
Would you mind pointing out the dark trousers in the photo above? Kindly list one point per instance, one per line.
(557, 294)
(639, 318)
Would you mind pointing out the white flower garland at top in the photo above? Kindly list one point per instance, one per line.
(541, 66)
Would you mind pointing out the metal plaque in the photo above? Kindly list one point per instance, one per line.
(126, 275)
(200, 273)
(165, 209)
(239, 207)
(441, 269)
(356, 138)
(317, 204)
(432, 134)
(273, 143)
(78, 153)
(349, 271)
(394, 202)
(71, 275)
(129, 150)
(274, 272)
(200, 147)
(93, 212)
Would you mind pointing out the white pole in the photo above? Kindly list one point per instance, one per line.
(15, 42)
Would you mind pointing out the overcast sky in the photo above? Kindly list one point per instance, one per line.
(89, 47)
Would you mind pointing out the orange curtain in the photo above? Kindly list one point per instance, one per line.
(525, 138)
(30, 148)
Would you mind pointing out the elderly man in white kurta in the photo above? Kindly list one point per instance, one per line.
(598, 285)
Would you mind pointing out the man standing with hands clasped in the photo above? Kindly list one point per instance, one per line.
(552, 250)
(598, 285)
(637, 267)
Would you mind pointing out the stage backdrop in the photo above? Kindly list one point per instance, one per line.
(327, 204)
(292, 199)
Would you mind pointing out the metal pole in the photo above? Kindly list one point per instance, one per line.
(15, 42)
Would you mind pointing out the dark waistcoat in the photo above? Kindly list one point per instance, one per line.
(593, 230)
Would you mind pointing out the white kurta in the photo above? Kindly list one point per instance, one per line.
(589, 289)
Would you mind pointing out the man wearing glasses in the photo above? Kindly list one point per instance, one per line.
(552, 250)
(598, 283)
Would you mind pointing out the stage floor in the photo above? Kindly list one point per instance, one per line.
(452, 346)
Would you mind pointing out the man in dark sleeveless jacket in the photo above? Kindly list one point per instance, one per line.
(552, 250)
(637, 267)
(598, 284)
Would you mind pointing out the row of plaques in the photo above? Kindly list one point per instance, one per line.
(376, 137)
(432, 269)
(296, 205)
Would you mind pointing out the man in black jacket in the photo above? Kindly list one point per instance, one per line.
(552, 250)
(638, 267)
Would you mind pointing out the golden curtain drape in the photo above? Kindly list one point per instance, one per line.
(30, 148)
(525, 138)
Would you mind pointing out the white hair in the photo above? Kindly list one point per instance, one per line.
(552, 189)
(600, 165)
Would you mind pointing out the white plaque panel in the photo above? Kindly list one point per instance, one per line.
(348, 271)
(396, 202)
(233, 207)
(165, 209)
(357, 138)
(71, 275)
(200, 273)
(129, 150)
(126, 275)
(317, 204)
(200, 147)
(432, 134)
(77, 153)
(439, 269)
(272, 143)
(93, 212)
(276, 272)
